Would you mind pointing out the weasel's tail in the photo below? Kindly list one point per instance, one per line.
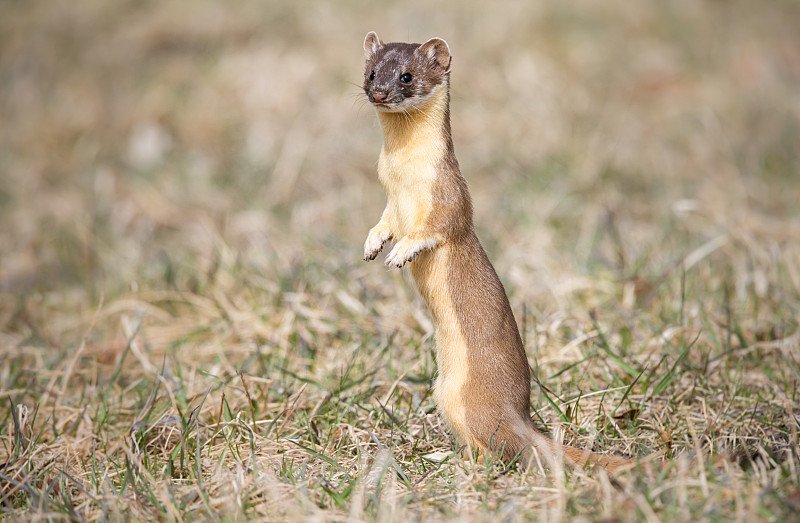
(543, 448)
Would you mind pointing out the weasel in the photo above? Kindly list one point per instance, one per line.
(483, 386)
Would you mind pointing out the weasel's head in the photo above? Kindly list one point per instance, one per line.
(399, 77)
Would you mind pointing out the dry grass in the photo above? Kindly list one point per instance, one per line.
(187, 330)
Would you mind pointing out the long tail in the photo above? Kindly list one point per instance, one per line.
(542, 447)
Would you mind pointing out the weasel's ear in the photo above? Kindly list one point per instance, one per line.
(371, 44)
(436, 50)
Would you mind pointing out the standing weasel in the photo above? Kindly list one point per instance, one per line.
(483, 387)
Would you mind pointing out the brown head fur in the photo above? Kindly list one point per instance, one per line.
(403, 72)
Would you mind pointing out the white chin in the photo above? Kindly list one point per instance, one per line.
(393, 108)
(409, 104)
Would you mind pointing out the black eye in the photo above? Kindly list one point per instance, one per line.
(372, 76)
(405, 77)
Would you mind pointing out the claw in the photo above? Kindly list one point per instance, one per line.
(402, 253)
(374, 243)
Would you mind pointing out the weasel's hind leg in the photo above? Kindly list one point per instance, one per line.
(500, 439)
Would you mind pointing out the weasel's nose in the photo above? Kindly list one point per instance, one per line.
(378, 97)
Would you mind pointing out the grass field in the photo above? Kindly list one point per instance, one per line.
(187, 330)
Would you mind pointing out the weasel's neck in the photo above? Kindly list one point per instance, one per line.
(427, 124)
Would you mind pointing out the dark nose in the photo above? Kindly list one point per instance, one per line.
(378, 97)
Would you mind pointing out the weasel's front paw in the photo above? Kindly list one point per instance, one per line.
(404, 251)
(375, 240)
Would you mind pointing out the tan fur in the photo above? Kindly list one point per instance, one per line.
(429, 272)
(483, 386)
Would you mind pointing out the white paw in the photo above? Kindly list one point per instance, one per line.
(375, 240)
(404, 251)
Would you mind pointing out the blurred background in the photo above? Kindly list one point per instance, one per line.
(226, 149)
(185, 188)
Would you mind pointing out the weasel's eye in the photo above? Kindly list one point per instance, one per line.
(405, 78)
(372, 76)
